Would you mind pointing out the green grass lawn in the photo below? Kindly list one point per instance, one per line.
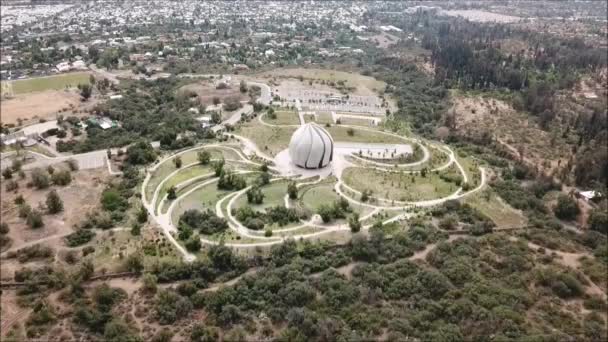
(201, 199)
(357, 122)
(274, 194)
(284, 117)
(189, 157)
(496, 209)
(340, 133)
(57, 82)
(323, 193)
(399, 186)
(270, 140)
(182, 176)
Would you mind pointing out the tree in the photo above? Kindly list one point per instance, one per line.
(54, 204)
(353, 223)
(171, 193)
(136, 229)
(203, 157)
(218, 167)
(598, 220)
(142, 215)
(255, 195)
(292, 190)
(34, 219)
(7, 173)
(177, 161)
(140, 153)
(566, 208)
(243, 87)
(232, 103)
(202, 333)
(134, 262)
(150, 282)
(326, 212)
(193, 244)
(61, 178)
(85, 91)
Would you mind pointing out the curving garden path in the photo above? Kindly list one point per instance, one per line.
(224, 205)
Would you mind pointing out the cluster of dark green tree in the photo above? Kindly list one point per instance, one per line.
(279, 215)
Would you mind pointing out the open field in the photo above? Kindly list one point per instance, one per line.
(362, 85)
(79, 197)
(270, 140)
(399, 186)
(274, 194)
(163, 170)
(37, 105)
(340, 133)
(321, 118)
(56, 82)
(284, 117)
(476, 115)
(496, 209)
(206, 91)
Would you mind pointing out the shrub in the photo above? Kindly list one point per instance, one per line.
(255, 195)
(72, 164)
(11, 185)
(193, 244)
(353, 223)
(79, 237)
(40, 179)
(203, 157)
(61, 178)
(111, 200)
(7, 173)
(566, 208)
(54, 204)
(292, 190)
(34, 219)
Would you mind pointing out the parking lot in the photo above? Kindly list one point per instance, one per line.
(330, 101)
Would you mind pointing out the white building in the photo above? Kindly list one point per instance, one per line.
(311, 147)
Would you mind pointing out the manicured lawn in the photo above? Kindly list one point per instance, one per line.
(315, 196)
(357, 122)
(399, 186)
(274, 194)
(57, 82)
(202, 199)
(189, 157)
(270, 140)
(183, 175)
(284, 117)
(340, 133)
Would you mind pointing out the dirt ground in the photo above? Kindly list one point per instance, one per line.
(363, 85)
(206, 91)
(384, 40)
(475, 115)
(37, 105)
(79, 197)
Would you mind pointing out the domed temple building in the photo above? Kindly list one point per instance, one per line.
(311, 147)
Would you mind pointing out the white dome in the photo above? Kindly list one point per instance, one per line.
(311, 147)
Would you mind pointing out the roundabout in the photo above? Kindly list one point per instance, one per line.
(313, 183)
